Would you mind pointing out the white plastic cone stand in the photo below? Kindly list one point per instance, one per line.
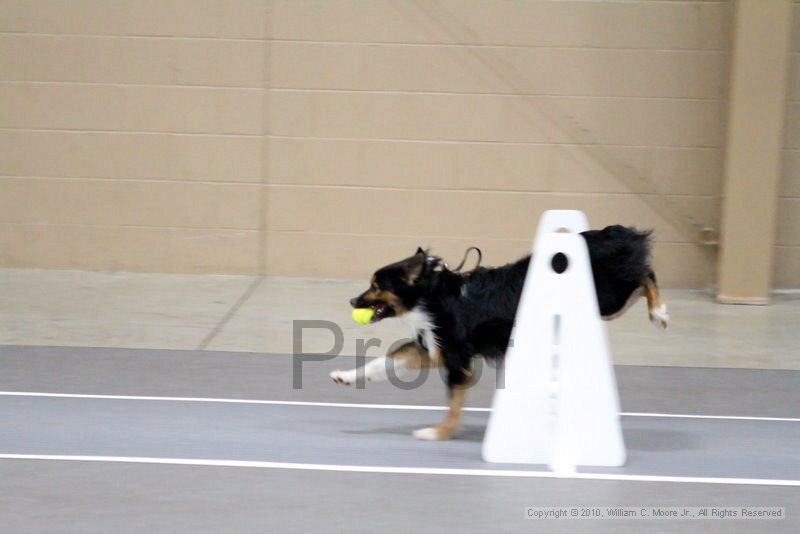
(559, 403)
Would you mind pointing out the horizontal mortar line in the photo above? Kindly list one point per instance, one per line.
(500, 45)
(135, 36)
(493, 142)
(256, 183)
(409, 470)
(665, 2)
(397, 44)
(188, 181)
(499, 191)
(686, 3)
(375, 43)
(137, 226)
(132, 132)
(356, 405)
(438, 237)
(409, 236)
(312, 233)
(487, 142)
(135, 84)
(486, 94)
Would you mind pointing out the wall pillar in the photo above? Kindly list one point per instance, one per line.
(755, 138)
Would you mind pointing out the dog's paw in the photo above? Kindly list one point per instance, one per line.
(345, 378)
(659, 316)
(432, 433)
(427, 434)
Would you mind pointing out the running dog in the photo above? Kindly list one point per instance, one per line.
(458, 316)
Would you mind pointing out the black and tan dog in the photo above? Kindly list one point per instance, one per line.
(458, 316)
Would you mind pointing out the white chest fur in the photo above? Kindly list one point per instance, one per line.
(422, 325)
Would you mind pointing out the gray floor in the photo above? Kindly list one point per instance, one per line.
(130, 498)
(100, 496)
(347, 436)
(239, 375)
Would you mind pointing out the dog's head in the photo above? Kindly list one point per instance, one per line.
(397, 287)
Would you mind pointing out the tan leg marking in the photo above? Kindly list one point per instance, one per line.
(655, 307)
(452, 420)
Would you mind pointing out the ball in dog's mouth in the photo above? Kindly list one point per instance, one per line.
(362, 315)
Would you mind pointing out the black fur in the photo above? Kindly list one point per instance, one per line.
(474, 312)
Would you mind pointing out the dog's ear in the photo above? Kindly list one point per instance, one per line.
(415, 265)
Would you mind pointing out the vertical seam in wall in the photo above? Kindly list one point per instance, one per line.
(266, 64)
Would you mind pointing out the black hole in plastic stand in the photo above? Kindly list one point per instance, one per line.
(559, 262)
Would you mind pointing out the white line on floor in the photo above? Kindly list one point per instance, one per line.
(407, 470)
(233, 401)
(354, 405)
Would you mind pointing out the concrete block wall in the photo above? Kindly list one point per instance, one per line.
(325, 138)
(131, 134)
(787, 251)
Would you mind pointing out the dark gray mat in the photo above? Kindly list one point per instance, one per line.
(270, 376)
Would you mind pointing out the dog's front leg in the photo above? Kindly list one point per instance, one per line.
(452, 421)
(408, 356)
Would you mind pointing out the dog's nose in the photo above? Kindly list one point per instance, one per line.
(354, 301)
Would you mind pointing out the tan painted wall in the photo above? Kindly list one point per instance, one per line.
(787, 252)
(131, 134)
(453, 123)
(325, 138)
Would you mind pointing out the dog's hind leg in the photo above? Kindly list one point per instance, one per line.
(409, 356)
(655, 306)
(452, 421)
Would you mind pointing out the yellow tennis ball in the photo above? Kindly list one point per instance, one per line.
(362, 315)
